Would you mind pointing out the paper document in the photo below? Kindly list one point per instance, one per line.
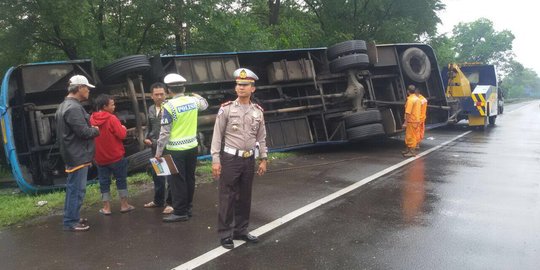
(165, 167)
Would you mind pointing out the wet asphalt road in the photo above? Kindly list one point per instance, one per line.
(472, 204)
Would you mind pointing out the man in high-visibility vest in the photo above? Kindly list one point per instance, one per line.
(412, 122)
(178, 137)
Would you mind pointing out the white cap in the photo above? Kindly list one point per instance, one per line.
(173, 78)
(80, 80)
(245, 76)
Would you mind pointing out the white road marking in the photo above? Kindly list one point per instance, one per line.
(212, 254)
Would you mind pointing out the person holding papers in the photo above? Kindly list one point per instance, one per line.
(178, 137)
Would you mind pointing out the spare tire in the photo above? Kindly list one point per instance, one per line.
(344, 48)
(416, 65)
(359, 60)
(362, 118)
(365, 131)
(116, 71)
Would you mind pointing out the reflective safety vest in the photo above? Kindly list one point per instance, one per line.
(182, 111)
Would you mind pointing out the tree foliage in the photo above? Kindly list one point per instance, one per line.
(444, 48)
(37, 30)
(384, 21)
(521, 82)
(104, 30)
(478, 41)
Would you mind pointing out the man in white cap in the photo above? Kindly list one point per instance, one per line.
(239, 127)
(178, 137)
(75, 136)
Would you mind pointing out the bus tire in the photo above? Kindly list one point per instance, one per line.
(358, 60)
(116, 71)
(345, 48)
(362, 118)
(416, 65)
(365, 131)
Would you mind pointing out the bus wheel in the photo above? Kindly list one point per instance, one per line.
(358, 60)
(345, 48)
(416, 64)
(116, 71)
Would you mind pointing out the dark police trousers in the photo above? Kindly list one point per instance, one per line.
(235, 194)
(183, 184)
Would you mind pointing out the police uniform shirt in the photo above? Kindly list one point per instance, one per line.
(240, 128)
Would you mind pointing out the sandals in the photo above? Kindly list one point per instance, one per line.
(103, 212)
(168, 210)
(129, 209)
(79, 227)
(151, 204)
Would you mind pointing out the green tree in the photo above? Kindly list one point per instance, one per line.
(479, 42)
(444, 48)
(385, 21)
(37, 30)
(40, 30)
(521, 82)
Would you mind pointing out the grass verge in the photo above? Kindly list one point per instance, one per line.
(18, 207)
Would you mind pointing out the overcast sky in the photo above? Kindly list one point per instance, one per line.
(521, 17)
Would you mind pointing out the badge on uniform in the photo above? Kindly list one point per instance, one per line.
(235, 127)
(166, 119)
(220, 111)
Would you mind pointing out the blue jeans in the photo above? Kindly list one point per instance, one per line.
(160, 187)
(119, 170)
(75, 192)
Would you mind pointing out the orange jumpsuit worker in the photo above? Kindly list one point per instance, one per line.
(412, 122)
(423, 110)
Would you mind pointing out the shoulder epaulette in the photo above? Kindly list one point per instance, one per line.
(258, 107)
(226, 103)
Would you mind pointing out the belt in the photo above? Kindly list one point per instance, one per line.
(236, 152)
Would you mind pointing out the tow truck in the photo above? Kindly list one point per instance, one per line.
(347, 92)
(473, 94)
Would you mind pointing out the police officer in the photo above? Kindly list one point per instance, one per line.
(239, 127)
(178, 136)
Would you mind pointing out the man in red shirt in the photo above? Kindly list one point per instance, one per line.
(110, 153)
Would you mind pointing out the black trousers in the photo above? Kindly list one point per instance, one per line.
(235, 186)
(183, 183)
(161, 186)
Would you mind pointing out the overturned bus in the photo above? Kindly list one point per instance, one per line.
(346, 92)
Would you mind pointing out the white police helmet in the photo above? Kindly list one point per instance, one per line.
(174, 79)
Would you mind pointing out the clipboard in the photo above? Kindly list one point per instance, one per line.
(165, 167)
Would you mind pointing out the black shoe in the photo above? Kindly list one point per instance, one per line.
(175, 218)
(227, 243)
(249, 238)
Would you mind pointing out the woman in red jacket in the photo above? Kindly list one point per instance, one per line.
(110, 153)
